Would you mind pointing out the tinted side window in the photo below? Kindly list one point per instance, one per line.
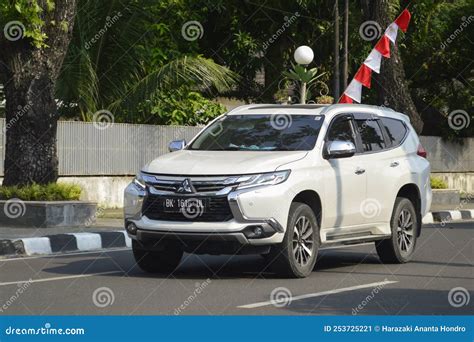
(341, 129)
(371, 135)
(395, 129)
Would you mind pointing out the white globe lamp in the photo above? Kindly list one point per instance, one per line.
(303, 55)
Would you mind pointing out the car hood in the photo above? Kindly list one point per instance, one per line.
(187, 162)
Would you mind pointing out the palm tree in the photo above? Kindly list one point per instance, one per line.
(109, 63)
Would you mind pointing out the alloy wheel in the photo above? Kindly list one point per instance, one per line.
(303, 241)
(405, 231)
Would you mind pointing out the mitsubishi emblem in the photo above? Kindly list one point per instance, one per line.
(186, 187)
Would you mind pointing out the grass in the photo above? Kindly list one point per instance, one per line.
(39, 192)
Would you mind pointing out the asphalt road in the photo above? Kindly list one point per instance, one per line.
(345, 281)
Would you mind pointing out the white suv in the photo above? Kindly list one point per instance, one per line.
(283, 182)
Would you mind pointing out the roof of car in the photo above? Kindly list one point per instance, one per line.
(316, 109)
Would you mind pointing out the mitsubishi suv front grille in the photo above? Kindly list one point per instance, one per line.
(167, 197)
(217, 209)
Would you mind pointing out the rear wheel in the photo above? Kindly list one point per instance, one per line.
(296, 255)
(401, 246)
(164, 261)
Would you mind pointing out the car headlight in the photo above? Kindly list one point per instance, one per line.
(139, 181)
(272, 178)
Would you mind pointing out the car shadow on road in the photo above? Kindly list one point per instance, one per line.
(230, 267)
(198, 266)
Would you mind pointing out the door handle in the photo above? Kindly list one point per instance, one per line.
(359, 171)
(394, 164)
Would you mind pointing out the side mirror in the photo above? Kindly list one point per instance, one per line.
(340, 149)
(176, 145)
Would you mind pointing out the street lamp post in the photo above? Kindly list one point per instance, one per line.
(303, 56)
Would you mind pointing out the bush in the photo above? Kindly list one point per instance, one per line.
(38, 192)
(183, 107)
(438, 183)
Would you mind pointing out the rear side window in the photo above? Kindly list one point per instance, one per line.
(395, 130)
(371, 135)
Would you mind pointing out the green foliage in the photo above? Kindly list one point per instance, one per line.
(142, 58)
(184, 107)
(37, 192)
(438, 183)
(28, 13)
(439, 64)
(123, 59)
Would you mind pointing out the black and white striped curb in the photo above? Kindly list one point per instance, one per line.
(62, 243)
(448, 215)
(74, 242)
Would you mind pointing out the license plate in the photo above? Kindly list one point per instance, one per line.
(187, 206)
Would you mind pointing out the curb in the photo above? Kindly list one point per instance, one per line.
(60, 243)
(444, 216)
(85, 242)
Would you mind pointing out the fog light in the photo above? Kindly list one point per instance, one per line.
(258, 231)
(131, 228)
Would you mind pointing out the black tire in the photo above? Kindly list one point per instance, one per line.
(282, 257)
(165, 261)
(400, 247)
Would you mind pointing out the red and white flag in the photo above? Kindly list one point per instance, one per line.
(372, 62)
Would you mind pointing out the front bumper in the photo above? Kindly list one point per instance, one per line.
(258, 207)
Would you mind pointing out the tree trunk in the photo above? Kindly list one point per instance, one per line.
(336, 75)
(346, 45)
(390, 84)
(29, 75)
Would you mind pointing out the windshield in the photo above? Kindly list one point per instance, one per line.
(265, 132)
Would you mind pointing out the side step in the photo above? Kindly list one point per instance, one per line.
(352, 239)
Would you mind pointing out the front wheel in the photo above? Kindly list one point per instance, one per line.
(401, 246)
(164, 261)
(296, 255)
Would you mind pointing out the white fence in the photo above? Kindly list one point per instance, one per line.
(122, 149)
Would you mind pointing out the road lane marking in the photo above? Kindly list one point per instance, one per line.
(57, 255)
(318, 294)
(57, 278)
